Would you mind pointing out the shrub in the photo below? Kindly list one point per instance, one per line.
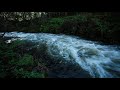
(16, 43)
(52, 25)
(26, 60)
(21, 73)
(13, 65)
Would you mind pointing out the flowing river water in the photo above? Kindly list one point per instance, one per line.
(93, 58)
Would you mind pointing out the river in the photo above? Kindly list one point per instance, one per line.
(94, 59)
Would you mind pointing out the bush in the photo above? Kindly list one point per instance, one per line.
(52, 25)
(21, 73)
(13, 64)
(26, 60)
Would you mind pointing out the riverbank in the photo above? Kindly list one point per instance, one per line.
(67, 56)
(24, 59)
(92, 27)
(17, 62)
(104, 28)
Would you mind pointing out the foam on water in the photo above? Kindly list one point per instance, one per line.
(99, 60)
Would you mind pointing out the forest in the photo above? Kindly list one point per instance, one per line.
(24, 56)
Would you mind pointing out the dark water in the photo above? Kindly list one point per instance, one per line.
(75, 57)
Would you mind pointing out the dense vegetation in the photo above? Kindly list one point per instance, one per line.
(19, 63)
(95, 26)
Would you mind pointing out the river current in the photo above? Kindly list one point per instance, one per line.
(98, 60)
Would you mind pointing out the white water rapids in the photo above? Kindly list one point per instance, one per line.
(98, 60)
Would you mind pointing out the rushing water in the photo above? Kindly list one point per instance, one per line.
(98, 60)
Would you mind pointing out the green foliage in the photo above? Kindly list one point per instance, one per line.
(57, 21)
(13, 64)
(21, 73)
(79, 24)
(80, 18)
(2, 71)
(33, 74)
(16, 43)
(52, 25)
(97, 26)
(102, 25)
(26, 60)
